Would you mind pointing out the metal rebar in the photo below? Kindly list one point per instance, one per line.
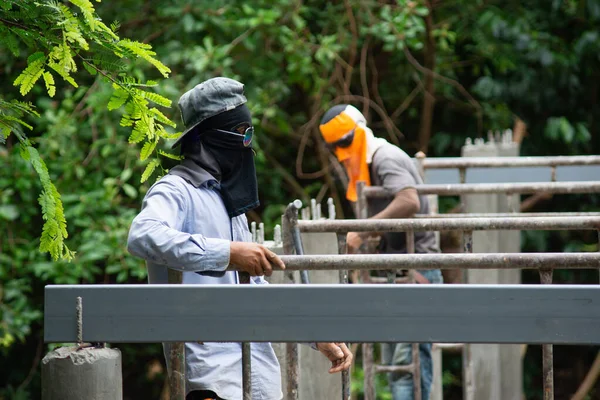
(330, 209)
(291, 214)
(447, 224)
(247, 370)
(368, 369)
(467, 359)
(589, 260)
(489, 188)
(293, 370)
(494, 162)
(547, 349)
(510, 214)
(362, 210)
(468, 242)
(420, 157)
(291, 349)
(342, 248)
(416, 363)
(79, 311)
(176, 352)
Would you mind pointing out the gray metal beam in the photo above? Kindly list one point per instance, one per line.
(499, 188)
(561, 314)
(449, 224)
(590, 260)
(510, 215)
(507, 162)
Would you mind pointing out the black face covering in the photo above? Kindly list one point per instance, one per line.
(224, 157)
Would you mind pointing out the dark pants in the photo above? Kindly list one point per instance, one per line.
(202, 395)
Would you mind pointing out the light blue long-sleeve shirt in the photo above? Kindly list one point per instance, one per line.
(187, 228)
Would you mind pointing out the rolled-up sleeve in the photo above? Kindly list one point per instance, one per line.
(155, 234)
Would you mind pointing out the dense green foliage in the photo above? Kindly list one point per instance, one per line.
(426, 74)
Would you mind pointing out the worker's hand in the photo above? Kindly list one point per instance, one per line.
(339, 355)
(254, 259)
(353, 240)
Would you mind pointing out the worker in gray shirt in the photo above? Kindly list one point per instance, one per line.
(193, 220)
(376, 162)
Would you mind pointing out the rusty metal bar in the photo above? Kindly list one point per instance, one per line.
(416, 356)
(589, 260)
(176, 352)
(291, 349)
(361, 202)
(291, 214)
(247, 371)
(342, 249)
(467, 359)
(488, 188)
(493, 162)
(511, 215)
(547, 349)
(368, 368)
(448, 224)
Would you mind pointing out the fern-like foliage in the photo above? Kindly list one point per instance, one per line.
(62, 37)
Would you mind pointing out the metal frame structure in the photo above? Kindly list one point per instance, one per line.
(409, 261)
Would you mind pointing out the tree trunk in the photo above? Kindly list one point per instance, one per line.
(428, 105)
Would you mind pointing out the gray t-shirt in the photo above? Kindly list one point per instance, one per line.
(394, 170)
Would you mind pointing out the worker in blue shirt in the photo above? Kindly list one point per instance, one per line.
(193, 220)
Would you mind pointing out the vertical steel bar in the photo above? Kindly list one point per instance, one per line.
(244, 279)
(291, 349)
(176, 352)
(599, 251)
(342, 249)
(361, 202)
(247, 370)
(369, 371)
(367, 348)
(468, 373)
(463, 178)
(416, 356)
(547, 350)
(420, 157)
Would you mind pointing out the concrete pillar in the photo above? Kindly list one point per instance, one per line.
(496, 369)
(71, 374)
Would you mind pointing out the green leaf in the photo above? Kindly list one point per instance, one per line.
(149, 170)
(49, 81)
(156, 98)
(118, 98)
(170, 155)
(27, 79)
(147, 150)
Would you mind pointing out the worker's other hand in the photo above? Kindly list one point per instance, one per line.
(254, 259)
(339, 355)
(353, 241)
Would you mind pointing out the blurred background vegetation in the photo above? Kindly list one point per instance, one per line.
(427, 74)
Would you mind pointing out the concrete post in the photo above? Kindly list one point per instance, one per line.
(90, 373)
(497, 369)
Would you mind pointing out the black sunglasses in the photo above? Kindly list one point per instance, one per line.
(344, 142)
(246, 137)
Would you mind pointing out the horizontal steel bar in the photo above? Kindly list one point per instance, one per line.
(511, 215)
(444, 261)
(449, 224)
(490, 188)
(492, 162)
(560, 314)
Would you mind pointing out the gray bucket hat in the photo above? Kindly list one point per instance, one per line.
(208, 99)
